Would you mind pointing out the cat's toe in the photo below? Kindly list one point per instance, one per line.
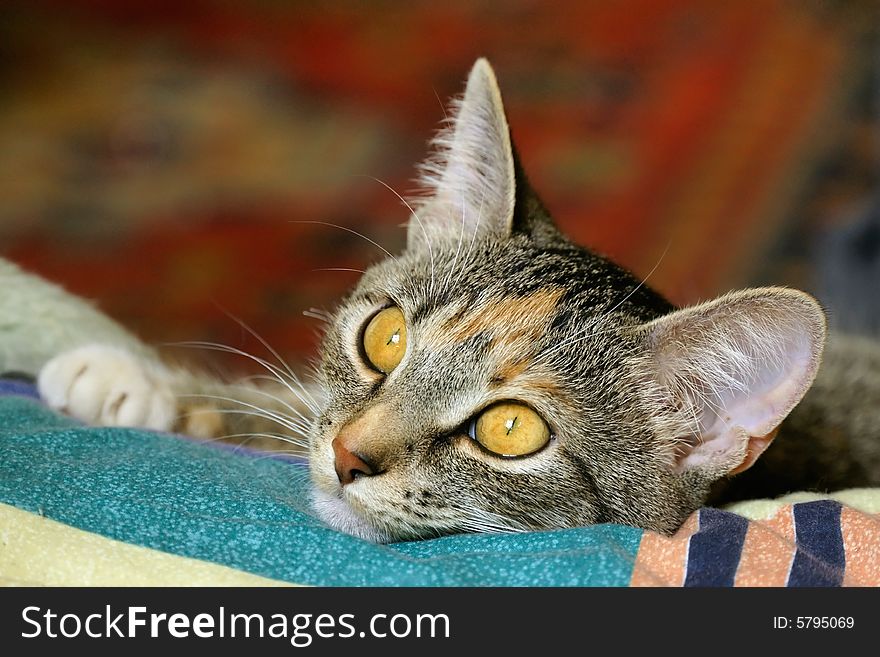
(106, 385)
(139, 403)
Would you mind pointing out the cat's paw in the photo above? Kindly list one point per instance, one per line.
(106, 385)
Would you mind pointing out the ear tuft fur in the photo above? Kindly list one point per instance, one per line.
(470, 178)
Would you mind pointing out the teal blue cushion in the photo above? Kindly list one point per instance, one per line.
(251, 512)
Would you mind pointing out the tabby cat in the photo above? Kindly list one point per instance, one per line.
(496, 377)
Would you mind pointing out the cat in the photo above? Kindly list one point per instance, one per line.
(497, 377)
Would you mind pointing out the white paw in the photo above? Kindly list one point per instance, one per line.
(109, 386)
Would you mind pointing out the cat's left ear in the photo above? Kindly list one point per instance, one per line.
(471, 177)
(732, 369)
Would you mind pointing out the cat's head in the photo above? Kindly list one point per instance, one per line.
(495, 376)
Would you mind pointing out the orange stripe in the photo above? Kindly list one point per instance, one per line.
(768, 551)
(861, 545)
(662, 560)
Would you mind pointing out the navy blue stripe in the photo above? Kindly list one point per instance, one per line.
(820, 559)
(17, 386)
(714, 551)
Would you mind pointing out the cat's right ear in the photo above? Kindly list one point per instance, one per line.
(730, 371)
(470, 179)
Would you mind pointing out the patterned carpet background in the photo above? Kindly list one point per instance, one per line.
(161, 157)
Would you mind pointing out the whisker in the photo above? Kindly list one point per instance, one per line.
(288, 423)
(483, 526)
(317, 313)
(273, 436)
(299, 451)
(418, 219)
(275, 398)
(217, 346)
(296, 437)
(268, 347)
(442, 105)
(483, 521)
(349, 230)
(261, 454)
(284, 420)
(303, 395)
(359, 271)
(275, 453)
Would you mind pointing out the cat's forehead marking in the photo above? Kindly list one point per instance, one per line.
(540, 384)
(510, 320)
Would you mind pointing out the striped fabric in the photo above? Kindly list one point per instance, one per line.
(817, 543)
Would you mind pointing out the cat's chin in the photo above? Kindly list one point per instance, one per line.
(339, 515)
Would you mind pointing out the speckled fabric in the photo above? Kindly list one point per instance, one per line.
(251, 513)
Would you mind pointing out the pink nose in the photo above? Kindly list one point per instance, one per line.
(349, 465)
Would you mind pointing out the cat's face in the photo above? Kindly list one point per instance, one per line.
(496, 377)
(508, 323)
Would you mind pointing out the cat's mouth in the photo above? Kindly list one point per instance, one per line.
(357, 508)
(340, 515)
(373, 508)
(334, 506)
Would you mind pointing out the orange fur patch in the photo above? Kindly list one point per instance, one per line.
(508, 320)
(547, 386)
(514, 324)
(201, 421)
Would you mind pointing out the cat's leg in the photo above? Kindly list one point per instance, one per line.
(92, 368)
(41, 320)
(109, 385)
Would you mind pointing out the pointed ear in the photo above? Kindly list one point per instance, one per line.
(470, 177)
(734, 368)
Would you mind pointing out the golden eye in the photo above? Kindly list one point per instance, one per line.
(510, 429)
(385, 339)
